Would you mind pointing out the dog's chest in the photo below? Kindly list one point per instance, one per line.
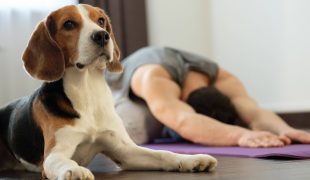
(92, 99)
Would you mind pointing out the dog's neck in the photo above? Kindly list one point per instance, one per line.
(80, 78)
(86, 88)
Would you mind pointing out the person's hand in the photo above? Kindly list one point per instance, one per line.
(296, 136)
(261, 139)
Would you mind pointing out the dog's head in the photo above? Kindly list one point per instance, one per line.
(71, 36)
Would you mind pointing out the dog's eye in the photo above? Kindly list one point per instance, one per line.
(101, 21)
(69, 25)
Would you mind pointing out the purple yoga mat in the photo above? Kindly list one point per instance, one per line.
(298, 151)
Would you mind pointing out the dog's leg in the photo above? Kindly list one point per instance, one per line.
(58, 163)
(129, 156)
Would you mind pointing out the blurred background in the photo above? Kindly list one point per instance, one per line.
(265, 43)
(18, 18)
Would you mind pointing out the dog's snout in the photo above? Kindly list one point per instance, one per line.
(100, 37)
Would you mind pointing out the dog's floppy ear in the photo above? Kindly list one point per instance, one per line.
(114, 65)
(43, 58)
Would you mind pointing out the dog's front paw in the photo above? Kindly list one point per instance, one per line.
(78, 172)
(197, 163)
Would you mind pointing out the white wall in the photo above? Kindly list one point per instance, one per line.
(265, 43)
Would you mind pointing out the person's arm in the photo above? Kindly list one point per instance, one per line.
(201, 129)
(261, 119)
(258, 118)
(192, 126)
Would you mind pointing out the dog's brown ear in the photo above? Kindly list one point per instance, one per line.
(114, 65)
(43, 58)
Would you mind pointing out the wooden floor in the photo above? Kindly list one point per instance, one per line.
(229, 168)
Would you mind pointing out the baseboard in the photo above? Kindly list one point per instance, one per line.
(298, 119)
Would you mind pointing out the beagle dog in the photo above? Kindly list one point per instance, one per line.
(68, 120)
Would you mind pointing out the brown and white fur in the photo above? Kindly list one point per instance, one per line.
(71, 117)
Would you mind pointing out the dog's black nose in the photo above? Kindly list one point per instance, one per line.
(100, 37)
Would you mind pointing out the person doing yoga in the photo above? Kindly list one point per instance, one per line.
(170, 92)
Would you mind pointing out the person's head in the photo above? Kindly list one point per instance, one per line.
(211, 102)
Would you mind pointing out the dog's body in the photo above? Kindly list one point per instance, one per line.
(71, 117)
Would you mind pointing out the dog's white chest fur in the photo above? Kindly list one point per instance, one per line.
(92, 99)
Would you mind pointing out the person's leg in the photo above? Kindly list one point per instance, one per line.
(257, 118)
